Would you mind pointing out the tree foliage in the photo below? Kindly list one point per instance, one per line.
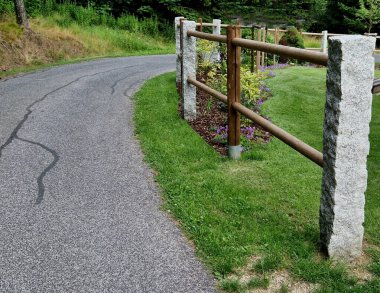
(339, 16)
(369, 13)
(353, 16)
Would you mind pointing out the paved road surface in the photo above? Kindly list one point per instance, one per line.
(79, 210)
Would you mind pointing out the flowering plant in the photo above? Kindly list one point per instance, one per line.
(248, 135)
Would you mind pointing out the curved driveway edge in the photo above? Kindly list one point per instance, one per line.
(79, 209)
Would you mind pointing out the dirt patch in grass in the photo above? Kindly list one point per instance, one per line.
(359, 267)
(247, 279)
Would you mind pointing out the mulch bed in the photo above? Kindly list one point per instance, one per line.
(212, 114)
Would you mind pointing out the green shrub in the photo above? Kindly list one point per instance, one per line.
(128, 22)
(166, 29)
(149, 26)
(291, 38)
(67, 12)
(6, 7)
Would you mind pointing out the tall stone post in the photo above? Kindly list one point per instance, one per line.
(189, 54)
(177, 29)
(350, 74)
(324, 41)
(216, 29)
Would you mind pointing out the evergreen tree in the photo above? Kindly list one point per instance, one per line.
(369, 13)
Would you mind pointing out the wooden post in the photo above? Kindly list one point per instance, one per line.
(200, 27)
(258, 56)
(252, 51)
(276, 41)
(233, 92)
(263, 53)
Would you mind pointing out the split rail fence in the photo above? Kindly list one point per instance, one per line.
(350, 73)
(261, 33)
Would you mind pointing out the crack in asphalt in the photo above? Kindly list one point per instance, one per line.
(13, 136)
(40, 182)
(113, 87)
(129, 90)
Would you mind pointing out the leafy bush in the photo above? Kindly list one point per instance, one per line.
(6, 7)
(128, 22)
(41, 7)
(66, 12)
(291, 38)
(149, 26)
(252, 84)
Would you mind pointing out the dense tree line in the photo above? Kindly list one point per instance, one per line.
(340, 16)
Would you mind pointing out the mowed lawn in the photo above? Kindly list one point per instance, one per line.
(260, 214)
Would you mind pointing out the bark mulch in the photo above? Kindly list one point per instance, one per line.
(212, 114)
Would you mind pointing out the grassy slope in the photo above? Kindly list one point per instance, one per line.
(53, 44)
(267, 204)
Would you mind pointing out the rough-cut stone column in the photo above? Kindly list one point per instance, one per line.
(324, 41)
(350, 76)
(189, 54)
(177, 30)
(216, 28)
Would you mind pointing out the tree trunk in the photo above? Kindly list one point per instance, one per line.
(21, 17)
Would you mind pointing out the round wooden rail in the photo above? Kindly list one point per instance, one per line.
(208, 24)
(376, 86)
(281, 134)
(209, 37)
(208, 90)
(311, 34)
(300, 54)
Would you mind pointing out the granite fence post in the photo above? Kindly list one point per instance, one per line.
(350, 74)
(324, 41)
(189, 60)
(216, 30)
(177, 29)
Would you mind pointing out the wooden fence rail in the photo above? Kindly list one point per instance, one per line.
(234, 84)
(300, 54)
(281, 134)
(261, 35)
(376, 86)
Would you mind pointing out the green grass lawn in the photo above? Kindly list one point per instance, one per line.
(264, 206)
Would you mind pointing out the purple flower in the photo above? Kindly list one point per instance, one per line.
(276, 66)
